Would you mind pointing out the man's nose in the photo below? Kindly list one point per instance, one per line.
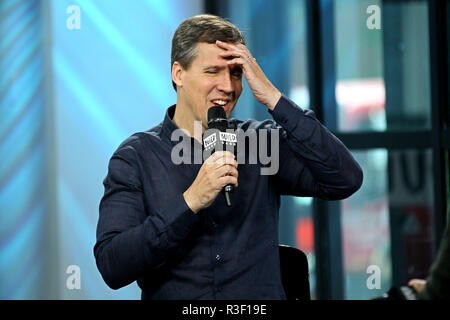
(225, 84)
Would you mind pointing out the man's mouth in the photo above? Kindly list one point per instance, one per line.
(225, 104)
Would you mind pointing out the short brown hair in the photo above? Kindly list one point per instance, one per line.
(201, 28)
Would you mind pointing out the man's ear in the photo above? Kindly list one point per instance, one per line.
(177, 73)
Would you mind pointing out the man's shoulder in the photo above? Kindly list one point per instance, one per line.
(137, 140)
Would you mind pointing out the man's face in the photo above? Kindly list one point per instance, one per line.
(210, 81)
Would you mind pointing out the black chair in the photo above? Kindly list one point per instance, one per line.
(294, 273)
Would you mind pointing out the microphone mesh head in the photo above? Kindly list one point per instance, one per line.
(216, 112)
(217, 118)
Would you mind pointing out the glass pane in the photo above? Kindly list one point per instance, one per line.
(382, 65)
(365, 228)
(298, 85)
(411, 208)
(388, 224)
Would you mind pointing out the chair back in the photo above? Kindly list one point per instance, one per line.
(294, 273)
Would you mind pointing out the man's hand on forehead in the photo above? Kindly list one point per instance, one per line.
(263, 90)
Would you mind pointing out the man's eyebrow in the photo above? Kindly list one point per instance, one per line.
(213, 67)
(217, 68)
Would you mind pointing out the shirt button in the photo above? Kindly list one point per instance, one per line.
(218, 257)
(214, 224)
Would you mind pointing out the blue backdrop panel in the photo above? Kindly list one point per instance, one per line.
(68, 98)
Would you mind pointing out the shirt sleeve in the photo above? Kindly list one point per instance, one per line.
(438, 282)
(313, 162)
(131, 242)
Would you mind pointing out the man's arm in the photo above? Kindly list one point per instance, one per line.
(129, 242)
(321, 165)
(313, 162)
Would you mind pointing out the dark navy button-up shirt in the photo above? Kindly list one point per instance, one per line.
(147, 233)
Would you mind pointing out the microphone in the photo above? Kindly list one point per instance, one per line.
(216, 138)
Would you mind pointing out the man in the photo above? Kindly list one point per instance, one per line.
(164, 224)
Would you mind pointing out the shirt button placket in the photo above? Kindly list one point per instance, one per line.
(217, 257)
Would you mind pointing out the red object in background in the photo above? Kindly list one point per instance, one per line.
(304, 234)
(418, 240)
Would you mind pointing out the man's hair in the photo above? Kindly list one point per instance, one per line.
(205, 28)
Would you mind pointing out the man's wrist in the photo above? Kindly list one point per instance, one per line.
(274, 98)
(190, 202)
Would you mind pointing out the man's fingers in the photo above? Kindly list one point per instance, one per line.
(237, 54)
(225, 161)
(236, 51)
(220, 158)
(238, 61)
(223, 45)
(227, 170)
(418, 284)
(220, 154)
(227, 174)
(233, 53)
(232, 46)
(225, 180)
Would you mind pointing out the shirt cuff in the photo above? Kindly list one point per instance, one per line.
(184, 222)
(286, 113)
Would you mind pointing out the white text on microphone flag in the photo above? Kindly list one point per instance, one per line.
(209, 141)
(228, 137)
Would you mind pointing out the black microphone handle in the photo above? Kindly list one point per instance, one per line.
(228, 192)
(217, 119)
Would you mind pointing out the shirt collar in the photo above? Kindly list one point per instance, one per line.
(168, 127)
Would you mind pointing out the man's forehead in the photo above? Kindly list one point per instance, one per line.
(209, 52)
(207, 48)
